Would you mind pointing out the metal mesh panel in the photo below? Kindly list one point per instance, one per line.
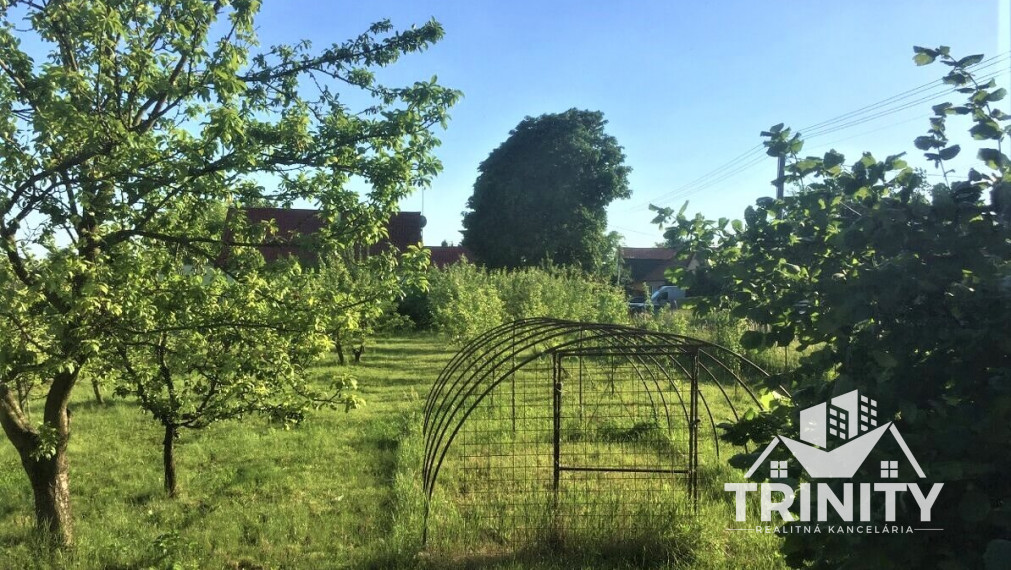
(542, 429)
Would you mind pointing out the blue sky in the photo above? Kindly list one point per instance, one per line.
(685, 86)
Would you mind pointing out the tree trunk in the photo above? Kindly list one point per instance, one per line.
(50, 479)
(49, 476)
(168, 455)
(340, 354)
(358, 352)
(98, 391)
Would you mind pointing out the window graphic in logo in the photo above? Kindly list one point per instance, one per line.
(847, 424)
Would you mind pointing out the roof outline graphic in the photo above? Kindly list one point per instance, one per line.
(842, 461)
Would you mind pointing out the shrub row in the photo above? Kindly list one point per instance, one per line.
(463, 299)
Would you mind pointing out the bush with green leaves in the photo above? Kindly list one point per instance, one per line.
(360, 294)
(466, 300)
(897, 293)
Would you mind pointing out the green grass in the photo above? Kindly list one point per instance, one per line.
(339, 491)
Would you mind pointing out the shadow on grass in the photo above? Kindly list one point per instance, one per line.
(632, 553)
(404, 349)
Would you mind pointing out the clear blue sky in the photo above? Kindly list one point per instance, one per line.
(685, 86)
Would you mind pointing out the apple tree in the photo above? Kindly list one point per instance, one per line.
(122, 124)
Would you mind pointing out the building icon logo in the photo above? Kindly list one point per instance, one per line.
(835, 439)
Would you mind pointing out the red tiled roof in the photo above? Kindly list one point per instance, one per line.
(404, 229)
(649, 263)
(443, 255)
(660, 253)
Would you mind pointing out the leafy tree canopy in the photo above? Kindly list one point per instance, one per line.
(541, 195)
(125, 128)
(899, 293)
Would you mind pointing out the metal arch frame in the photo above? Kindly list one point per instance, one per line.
(478, 363)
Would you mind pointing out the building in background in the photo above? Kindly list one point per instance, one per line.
(297, 228)
(646, 267)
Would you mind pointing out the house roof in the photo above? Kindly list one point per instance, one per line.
(648, 264)
(841, 462)
(655, 253)
(403, 228)
(443, 255)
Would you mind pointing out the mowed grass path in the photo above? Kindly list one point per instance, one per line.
(339, 491)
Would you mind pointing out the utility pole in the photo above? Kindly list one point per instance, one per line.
(780, 172)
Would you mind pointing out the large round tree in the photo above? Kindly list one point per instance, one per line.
(541, 195)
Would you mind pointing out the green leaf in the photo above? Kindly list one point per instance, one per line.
(997, 95)
(986, 130)
(923, 55)
(832, 159)
(969, 60)
(949, 153)
(753, 339)
(884, 359)
(925, 142)
(993, 158)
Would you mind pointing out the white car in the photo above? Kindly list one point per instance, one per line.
(668, 295)
(665, 296)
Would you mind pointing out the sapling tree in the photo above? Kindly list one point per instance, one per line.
(195, 347)
(366, 288)
(123, 124)
(900, 293)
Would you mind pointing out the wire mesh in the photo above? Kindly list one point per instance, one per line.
(541, 429)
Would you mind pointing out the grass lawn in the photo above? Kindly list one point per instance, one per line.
(341, 490)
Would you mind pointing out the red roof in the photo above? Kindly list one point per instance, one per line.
(660, 253)
(649, 264)
(404, 229)
(443, 255)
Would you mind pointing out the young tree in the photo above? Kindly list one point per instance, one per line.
(195, 347)
(542, 194)
(904, 295)
(138, 118)
(365, 289)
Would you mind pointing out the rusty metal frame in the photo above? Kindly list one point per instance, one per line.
(483, 364)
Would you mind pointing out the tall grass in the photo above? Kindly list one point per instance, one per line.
(722, 328)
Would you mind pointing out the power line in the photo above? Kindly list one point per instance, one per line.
(985, 64)
(865, 133)
(894, 110)
(690, 189)
(750, 152)
(653, 234)
(891, 105)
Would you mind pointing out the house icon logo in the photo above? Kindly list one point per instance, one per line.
(835, 439)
